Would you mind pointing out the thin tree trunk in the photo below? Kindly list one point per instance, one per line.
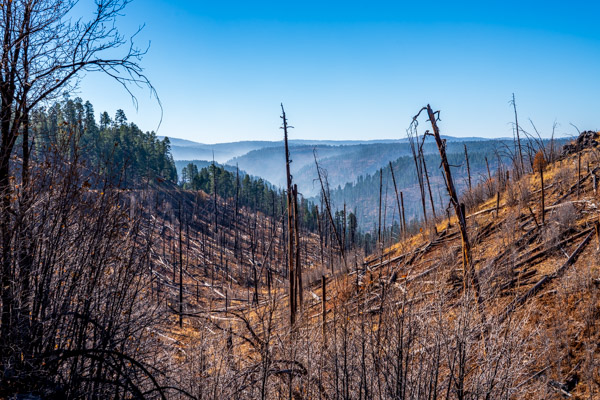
(468, 167)
(578, 173)
(487, 165)
(518, 135)
(380, 195)
(328, 208)
(235, 217)
(543, 195)
(290, 252)
(320, 235)
(397, 196)
(419, 171)
(403, 213)
(468, 267)
(298, 266)
(180, 272)
(597, 227)
(429, 187)
(497, 203)
(324, 307)
(344, 227)
(214, 168)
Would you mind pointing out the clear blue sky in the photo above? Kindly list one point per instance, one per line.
(359, 70)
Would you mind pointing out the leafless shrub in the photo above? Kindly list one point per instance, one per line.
(87, 319)
(565, 216)
(509, 229)
(563, 178)
(518, 193)
(314, 274)
(524, 192)
(478, 194)
(561, 220)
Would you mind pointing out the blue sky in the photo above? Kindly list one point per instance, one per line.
(359, 70)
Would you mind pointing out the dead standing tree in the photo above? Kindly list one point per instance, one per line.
(400, 207)
(214, 189)
(403, 213)
(520, 164)
(470, 278)
(325, 193)
(380, 242)
(299, 291)
(293, 234)
(418, 168)
(539, 163)
(468, 167)
(426, 173)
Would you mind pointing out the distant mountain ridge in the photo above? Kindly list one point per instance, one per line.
(345, 160)
(183, 149)
(352, 167)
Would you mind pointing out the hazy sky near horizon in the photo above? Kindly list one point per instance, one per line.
(358, 70)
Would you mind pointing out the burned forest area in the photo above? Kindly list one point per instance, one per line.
(140, 288)
(456, 269)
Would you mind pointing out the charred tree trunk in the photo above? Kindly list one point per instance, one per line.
(235, 217)
(597, 228)
(397, 196)
(497, 203)
(468, 167)
(320, 235)
(180, 271)
(328, 208)
(543, 195)
(324, 308)
(521, 165)
(380, 196)
(290, 252)
(469, 271)
(344, 227)
(428, 187)
(578, 173)
(419, 170)
(298, 266)
(214, 170)
(487, 166)
(403, 213)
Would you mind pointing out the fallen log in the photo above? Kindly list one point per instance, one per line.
(525, 240)
(540, 252)
(545, 280)
(522, 279)
(575, 186)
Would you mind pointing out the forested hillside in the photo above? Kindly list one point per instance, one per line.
(245, 191)
(344, 161)
(181, 164)
(113, 147)
(225, 152)
(363, 194)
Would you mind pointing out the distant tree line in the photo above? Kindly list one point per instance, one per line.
(363, 194)
(254, 193)
(113, 147)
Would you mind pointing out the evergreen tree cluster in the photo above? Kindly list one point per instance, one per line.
(254, 193)
(118, 150)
